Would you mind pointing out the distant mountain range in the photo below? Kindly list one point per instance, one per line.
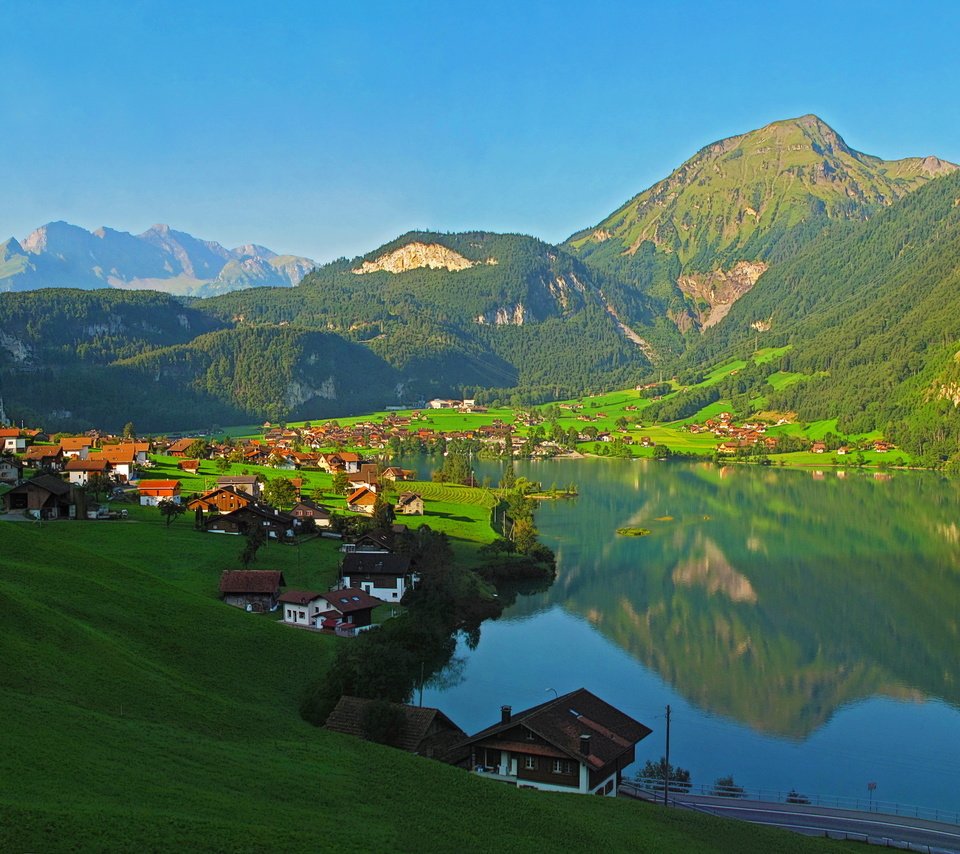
(783, 236)
(66, 256)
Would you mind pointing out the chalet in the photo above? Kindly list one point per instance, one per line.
(395, 473)
(152, 492)
(351, 461)
(76, 447)
(180, 447)
(43, 497)
(11, 470)
(728, 447)
(190, 466)
(306, 509)
(219, 500)
(79, 472)
(574, 743)
(371, 542)
(253, 589)
(842, 451)
(386, 576)
(362, 500)
(275, 524)
(881, 447)
(424, 731)
(247, 484)
(44, 457)
(122, 459)
(347, 607)
(409, 504)
(819, 447)
(12, 441)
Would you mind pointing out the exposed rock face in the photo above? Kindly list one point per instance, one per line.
(712, 294)
(298, 392)
(504, 316)
(415, 255)
(20, 351)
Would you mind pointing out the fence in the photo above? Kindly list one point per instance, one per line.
(654, 788)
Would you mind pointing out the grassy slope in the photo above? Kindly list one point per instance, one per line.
(141, 713)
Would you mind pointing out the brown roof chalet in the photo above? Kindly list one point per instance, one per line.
(423, 730)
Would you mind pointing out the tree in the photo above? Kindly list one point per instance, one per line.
(382, 515)
(222, 464)
(280, 492)
(679, 778)
(340, 480)
(129, 432)
(725, 787)
(170, 509)
(255, 538)
(197, 450)
(97, 483)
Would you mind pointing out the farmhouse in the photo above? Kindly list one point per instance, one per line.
(122, 459)
(275, 524)
(77, 447)
(12, 441)
(44, 497)
(10, 470)
(424, 731)
(574, 743)
(44, 457)
(409, 504)
(219, 500)
(79, 472)
(306, 509)
(362, 500)
(253, 589)
(386, 576)
(247, 484)
(347, 608)
(152, 492)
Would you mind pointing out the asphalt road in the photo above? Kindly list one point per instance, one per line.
(915, 834)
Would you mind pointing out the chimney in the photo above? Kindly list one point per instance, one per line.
(505, 714)
(585, 745)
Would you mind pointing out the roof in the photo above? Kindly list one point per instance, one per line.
(348, 717)
(362, 496)
(158, 484)
(226, 480)
(372, 563)
(75, 443)
(47, 482)
(562, 721)
(41, 452)
(90, 464)
(300, 597)
(251, 581)
(349, 599)
(118, 453)
(408, 498)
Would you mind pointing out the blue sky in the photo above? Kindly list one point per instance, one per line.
(326, 129)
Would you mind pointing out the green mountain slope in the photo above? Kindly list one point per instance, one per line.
(873, 311)
(757, 197)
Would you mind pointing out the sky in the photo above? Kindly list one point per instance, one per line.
(326, 129)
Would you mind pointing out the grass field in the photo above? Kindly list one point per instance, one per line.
(140, 713)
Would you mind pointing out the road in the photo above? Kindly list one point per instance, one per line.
(915, 834)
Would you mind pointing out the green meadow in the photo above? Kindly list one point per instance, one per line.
(140, 713)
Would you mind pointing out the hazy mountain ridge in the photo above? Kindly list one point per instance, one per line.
(63, 255)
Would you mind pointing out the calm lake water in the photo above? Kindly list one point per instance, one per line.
(803, 626)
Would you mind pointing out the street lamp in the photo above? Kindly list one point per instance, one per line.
(870, 788)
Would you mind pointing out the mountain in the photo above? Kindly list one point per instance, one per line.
(62, 255)
(871, 314)
(699, 239)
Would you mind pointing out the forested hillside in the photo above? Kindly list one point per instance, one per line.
(872, 314)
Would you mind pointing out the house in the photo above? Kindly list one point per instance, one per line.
(247, 484)
(43, 497)
(819, 447)
(190, 466)
(409, 504)
(362, 500)
(424, 731)
(395, 473)
(122, 459)
(11, 470)
(372, 542)
(275, 524)
(574, 743)
(77, 447)
(180, 447)
(219, 500)
(44, 457)
(346, 608)
(351, 461)
(12, 441)
(253, 589)
(152, 492)
(306, 509)
(386, 576)
(79, 472)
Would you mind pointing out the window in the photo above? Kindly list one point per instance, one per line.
(530, 763)
(557, 766)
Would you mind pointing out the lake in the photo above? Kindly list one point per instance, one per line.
(804, 626)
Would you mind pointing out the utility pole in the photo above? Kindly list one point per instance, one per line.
(666, 765)
(421, 684)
